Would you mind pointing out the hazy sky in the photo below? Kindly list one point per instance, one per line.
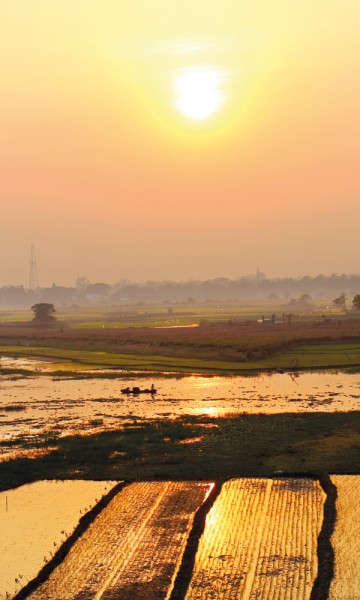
(179, 139)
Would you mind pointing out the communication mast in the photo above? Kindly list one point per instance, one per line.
(33, 279)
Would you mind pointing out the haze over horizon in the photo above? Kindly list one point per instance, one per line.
(157, 140)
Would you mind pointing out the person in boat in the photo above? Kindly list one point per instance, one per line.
(152, 389)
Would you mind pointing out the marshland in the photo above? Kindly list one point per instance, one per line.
(235, 399)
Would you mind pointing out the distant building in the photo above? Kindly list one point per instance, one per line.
(270, 320)
(259, 275)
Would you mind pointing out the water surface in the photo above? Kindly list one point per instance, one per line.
(37, 407)
(35, 519)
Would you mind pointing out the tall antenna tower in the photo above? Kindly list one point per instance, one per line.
(33, 279)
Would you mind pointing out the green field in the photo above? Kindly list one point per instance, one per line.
(228, 338)
(313, 356)
(170, 315)
(236, 446)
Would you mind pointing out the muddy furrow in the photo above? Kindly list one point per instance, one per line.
(325, 552)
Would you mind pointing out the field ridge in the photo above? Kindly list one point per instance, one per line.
(325, 551)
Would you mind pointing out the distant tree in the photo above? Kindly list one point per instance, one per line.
(101, 289)
(81, 283)
(356, 301)
(340, 301)
(43, 312)
(14, 296)
(305, 299)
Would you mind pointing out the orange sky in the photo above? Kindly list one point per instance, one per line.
(103, 171)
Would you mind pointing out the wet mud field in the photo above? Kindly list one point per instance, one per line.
(37, 407)
(242, 538)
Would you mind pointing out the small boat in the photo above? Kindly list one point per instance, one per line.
(136, 390)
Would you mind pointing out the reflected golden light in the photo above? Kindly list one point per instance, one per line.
(212, 411)
(193, 440)
(204, 382)
(209, 487)
(213, 518)
(198, 94)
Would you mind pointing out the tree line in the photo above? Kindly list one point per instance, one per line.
(284, 290)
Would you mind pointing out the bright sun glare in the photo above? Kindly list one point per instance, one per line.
(198, 96)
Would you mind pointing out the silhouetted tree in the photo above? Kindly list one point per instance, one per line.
(101, 289)
(81, 283)
(44, 312)
(356, 301)
(340, 301)
(305, 299)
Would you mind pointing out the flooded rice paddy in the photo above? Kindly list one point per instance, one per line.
(35, 520)
(45, 406)
(260, 541)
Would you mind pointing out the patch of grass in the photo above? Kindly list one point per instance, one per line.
(17, 372)
(312, 356)
(69, 360)
(12, 407)
(93, 359)
(246, 445)
(219, 346)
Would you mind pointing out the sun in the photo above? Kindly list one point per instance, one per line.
(198, 96)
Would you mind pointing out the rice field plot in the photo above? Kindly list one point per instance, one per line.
(35, 520)
(346, 539)
(260, 541)
(133, 548)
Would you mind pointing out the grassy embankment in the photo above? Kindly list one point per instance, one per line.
(68, 361)
(236, 446)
